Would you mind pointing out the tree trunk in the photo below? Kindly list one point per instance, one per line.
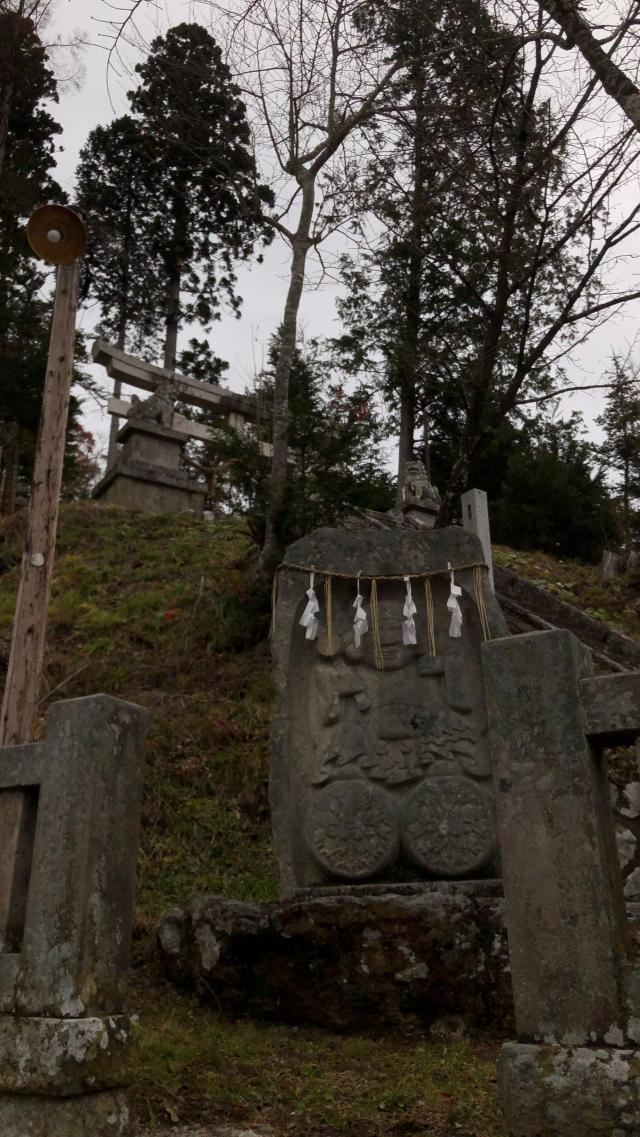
(173, 321)
(626, 497)
(579, 33)
(5, 112)
(406, 437)
(10, 463)
(476, 429)
(176, 259)
(122, 331)
(301, 243)
(409, 345)
(112, 453)
(458, 478)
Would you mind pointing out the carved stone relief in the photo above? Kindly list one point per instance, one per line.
(381, 774)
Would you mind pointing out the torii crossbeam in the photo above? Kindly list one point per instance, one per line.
(146, 376)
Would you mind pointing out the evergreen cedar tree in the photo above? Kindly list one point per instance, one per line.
(120, 271)
(28, 135)
(166, 237)
(336, 461)
(620, 447)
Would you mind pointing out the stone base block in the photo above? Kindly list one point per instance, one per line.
(62, 1057)
(349, 959)
(549, 1091)
(95, 1115)
(151, 489)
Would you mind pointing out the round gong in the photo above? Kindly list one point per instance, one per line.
(57, 234)
(449, 827)
(352, 830)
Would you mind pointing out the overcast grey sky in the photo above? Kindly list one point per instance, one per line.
(243, 342)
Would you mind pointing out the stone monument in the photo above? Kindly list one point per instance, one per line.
(66, 913)
(380, 769)
(147, 474)
(575, 1069)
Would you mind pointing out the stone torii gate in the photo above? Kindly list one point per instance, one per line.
(146, 474)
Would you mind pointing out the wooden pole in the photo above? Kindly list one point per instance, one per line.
(20, 705)
(57, 234)
(18, 808)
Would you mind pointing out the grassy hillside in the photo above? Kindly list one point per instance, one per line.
(152, 609)
(157, 610)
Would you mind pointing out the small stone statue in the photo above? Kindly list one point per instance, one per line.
(158, 407)
(419, 496)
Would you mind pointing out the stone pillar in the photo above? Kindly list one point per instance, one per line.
(475, 519)
(574, 1071)
(65, 1036)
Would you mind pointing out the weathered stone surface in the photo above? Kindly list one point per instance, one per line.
(62, 1038)
(556, 1092)
(372, 955)
(92, 1115)
(611, 708)
(449, 823)
(369, 767)
(348, 960)
(76, 946)
(63, 1057)
(627, 828)
(147, 476)
(150, 489)
(564, 902)
(627, 845)
(420, 499)
(630, 807)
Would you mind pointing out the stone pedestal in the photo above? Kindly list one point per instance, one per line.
(92, 1115)
(354, 958)
(64, 1076)
(65, 1040)
(549, 1091)
(147, 475)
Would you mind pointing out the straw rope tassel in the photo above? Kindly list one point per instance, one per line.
(328, 603)
(375, 622)
(431, 623)
(480, 601)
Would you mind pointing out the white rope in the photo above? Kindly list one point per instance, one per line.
(309, 618)
(409, 625)
(360, 622)
(453, 606)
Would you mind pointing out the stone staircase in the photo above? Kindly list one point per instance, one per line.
(529, 608)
